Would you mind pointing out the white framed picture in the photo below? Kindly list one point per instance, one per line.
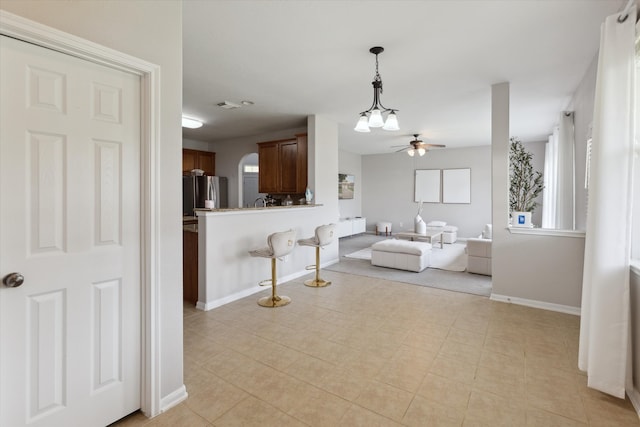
(456, 185)
(427, 185)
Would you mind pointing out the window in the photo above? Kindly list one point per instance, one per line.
(251, 168)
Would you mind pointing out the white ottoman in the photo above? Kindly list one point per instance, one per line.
(383, 227)
(401, 254)
(450, 233)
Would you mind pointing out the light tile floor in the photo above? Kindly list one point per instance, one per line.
(368, 352)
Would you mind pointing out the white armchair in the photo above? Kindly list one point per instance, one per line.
(479, 253)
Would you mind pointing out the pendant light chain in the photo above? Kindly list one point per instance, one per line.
(377, 77)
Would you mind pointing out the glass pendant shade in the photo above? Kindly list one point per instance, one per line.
(421, 151)
(363, 124)
(375, 120)
(392, 122)
(411, 152)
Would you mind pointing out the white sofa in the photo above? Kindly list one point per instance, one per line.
(401, 254)
(479, 253)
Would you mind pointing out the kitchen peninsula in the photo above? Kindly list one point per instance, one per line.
(226, 272)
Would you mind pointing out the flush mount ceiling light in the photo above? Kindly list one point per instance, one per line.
(372, 117)
(191, 123)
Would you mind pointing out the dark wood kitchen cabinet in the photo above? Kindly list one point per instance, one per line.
(283, 166)
(196, 159)
(190, 264)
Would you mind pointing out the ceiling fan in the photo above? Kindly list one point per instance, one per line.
(416, 145)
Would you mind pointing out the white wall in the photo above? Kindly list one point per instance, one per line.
(323, 163)
(388, 189)
(152, 31)
(582, 103)
(193, 144)
(350, 163)
(537, 269)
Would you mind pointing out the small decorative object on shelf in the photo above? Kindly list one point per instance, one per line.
(308, 194)
(419, 225)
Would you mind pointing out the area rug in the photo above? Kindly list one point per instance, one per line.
(457, 281)
(361, 254)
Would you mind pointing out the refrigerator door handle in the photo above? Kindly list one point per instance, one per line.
(194, 184)
(212, 192)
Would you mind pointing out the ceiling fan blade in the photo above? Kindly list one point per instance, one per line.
(402, 149)
(396, 146)
(435, 145)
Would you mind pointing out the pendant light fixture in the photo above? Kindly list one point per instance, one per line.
(372, 117)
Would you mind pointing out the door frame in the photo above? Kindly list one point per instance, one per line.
(30, 31)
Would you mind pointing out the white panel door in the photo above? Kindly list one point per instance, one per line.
(70, 225)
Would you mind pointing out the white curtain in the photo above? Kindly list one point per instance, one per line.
(549, 191)
(558, 196)
(604, 327)
(565, 165)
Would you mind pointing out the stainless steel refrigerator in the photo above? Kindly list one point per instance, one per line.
(197, 189)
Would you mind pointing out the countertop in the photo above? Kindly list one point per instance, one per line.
(268, 208)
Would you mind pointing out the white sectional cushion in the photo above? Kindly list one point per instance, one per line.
(402, 246)
(487, 233)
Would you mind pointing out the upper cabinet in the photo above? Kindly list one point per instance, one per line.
(283, 166)
(195, 159)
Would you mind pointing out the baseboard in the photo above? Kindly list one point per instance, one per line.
(255, 289)
(537, 304)
(173, 398)
(229, 298)
(634, 397)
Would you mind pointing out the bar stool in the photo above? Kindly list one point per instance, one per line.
(279, 244)
(323, 237)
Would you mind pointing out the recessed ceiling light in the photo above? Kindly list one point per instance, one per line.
(191, 123)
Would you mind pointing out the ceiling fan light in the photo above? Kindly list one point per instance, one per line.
(363, 124)
(421, 151)
(375, 120)
(411, 152)
(392, 122)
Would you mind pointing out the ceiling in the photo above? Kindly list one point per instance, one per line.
(297, 58)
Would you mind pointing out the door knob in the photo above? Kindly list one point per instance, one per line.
(13, 280)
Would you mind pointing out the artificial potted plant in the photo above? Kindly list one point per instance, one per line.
(525, 184)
